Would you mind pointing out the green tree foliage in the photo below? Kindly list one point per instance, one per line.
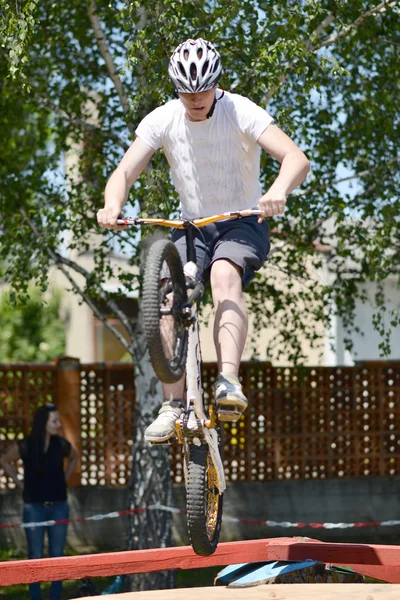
(85, 73)
(31, 331)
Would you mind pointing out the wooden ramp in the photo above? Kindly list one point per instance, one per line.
(296, 591)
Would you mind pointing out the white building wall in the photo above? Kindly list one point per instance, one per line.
(366, 346)
(366, 343)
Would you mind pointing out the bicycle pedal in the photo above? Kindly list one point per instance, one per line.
(168, 442)
(229, 414)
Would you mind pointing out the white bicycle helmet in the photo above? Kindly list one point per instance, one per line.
(195, 66)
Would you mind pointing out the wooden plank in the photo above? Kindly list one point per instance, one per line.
(134, 561)
(183, 557)
(357, 554)
(295, 591)
(372, 560)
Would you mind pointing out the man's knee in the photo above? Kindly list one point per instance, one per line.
(226, 277)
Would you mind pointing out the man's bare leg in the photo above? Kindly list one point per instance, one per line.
(231, 321)
(163, 427)
(230, 333)
(174, 391)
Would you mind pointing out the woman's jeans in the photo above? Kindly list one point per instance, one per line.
(49, 511)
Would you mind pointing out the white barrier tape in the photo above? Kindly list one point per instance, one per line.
(42, 524)
(174, 510)
(170, 509)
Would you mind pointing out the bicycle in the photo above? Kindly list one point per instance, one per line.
(172, 303)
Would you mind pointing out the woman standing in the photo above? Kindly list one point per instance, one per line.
(44, 487)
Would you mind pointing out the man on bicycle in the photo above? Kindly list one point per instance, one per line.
(212, 142)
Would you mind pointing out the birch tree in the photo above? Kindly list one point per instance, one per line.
(327, 71)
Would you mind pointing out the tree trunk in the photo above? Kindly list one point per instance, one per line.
(150, 481)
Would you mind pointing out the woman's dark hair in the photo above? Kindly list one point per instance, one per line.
(37, 436)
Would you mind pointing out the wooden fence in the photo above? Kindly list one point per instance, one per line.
(302, 423)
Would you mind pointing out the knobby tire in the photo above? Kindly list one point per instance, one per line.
(168, 369)
(203, 501)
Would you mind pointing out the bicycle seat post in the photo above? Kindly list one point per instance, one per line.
(190, 242)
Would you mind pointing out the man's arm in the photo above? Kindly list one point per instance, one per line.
(293, 171)
(116, 193)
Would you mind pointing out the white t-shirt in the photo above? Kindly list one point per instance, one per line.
(215, 163)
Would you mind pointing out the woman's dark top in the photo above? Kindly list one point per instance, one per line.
(44, 479)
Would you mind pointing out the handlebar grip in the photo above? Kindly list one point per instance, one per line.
(127, 221)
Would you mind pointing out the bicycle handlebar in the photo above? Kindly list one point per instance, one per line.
(180, 223)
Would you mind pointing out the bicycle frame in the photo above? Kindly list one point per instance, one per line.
(202, 426)
(194, 425)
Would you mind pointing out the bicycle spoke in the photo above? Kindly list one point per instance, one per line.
(162, 311)
(170, 324)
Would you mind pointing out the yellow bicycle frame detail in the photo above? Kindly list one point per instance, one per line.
(180, 224)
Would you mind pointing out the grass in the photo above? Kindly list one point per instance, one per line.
(197, 577)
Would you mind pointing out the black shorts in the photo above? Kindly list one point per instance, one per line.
(244, 242)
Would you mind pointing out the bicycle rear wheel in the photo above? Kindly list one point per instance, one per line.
(166, 333)
(203, 501)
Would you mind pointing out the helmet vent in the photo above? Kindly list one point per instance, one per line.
(193, 71)
(182, 69)
(199, 53)
(216, 66)
(205, 67)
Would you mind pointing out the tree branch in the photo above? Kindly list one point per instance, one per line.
(317, 224)
(60, 262)
(46, 101)
(94, 308)
(386, 42)
(110, 303)
(349, 178)
(329, 40)
(348, 29)
(80, 122)
(308, 47)
(108, 59)
(302, 279)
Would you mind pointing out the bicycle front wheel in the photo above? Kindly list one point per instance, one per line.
(203, 501)
(163, 301)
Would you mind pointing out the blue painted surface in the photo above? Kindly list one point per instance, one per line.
(115, 587)
(253, 572)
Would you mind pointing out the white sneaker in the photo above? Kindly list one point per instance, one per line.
(229, 398)
(164, 426)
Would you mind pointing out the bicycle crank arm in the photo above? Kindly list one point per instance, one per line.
(196, 295)
(210, 423)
